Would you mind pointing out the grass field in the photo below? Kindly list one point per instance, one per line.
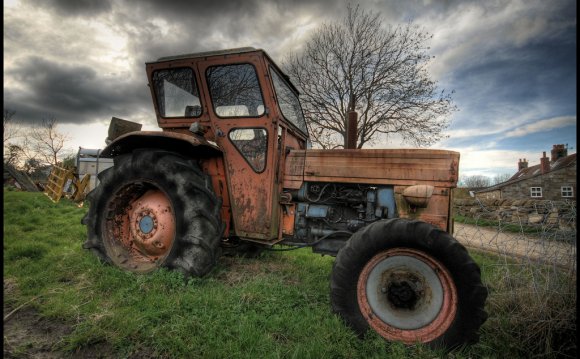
(275, 306)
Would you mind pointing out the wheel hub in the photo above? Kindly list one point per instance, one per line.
(403, 294)
(406, 295)
(140, 227)
(146, 224)
(152, 225)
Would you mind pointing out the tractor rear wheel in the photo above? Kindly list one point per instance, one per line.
(410, 282)
(154, 209)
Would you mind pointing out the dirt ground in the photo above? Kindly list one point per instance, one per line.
(28, 335)
(518, 245)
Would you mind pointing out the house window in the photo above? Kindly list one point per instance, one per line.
(567, 191)
(536, 192)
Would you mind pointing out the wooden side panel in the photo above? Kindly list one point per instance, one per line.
(396, 167)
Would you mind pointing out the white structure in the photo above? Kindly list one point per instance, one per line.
(90, 162)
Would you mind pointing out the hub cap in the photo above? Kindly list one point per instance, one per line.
(406, 295)
(140, 228)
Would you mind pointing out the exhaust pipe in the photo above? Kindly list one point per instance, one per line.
(351, 130)
(351, 124)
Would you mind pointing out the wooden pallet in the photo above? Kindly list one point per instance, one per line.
(60, 179)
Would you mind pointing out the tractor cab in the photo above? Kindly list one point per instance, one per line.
(241, 101)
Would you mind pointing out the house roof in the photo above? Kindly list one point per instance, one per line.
(533, 171)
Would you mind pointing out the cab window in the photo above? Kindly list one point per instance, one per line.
(288, 102)
(235, 91)
(252, 144)
(176, 93)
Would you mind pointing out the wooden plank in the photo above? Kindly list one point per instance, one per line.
(396, 166)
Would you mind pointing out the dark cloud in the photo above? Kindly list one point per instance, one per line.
(509, 61)
(181, 10)
(161, 28)
(71, 93)
(74, 7)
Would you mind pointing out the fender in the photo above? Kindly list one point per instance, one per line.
(188, 145)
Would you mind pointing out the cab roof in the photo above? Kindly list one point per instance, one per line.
(239, 50)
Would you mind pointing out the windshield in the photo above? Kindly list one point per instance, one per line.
(176, 92)
(288, 102)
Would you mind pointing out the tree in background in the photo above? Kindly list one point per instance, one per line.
(476, 181)
(358, 64)
(46, 142)
(11, 132)
(69, 162)
(501, 178)
(33, 150)
(13, 155)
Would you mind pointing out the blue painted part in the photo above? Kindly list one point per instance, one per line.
(317, 211)
(386, 199)
(146, 224)
(301, 194)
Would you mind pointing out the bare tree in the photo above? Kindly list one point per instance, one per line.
(358, 64)
(10, 128)
(11, 132)
(46, 142)
(500, 178)
(13, 154)
(476, 181)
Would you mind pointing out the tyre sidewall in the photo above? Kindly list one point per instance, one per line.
(402, 233)
(180, 180)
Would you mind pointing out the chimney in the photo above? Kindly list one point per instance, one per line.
(558, 151)
(545, 164)
(522, 164)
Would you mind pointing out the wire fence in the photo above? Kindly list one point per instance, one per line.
(530, 270)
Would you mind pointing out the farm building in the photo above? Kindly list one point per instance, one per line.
(90, 162)
(553, 179)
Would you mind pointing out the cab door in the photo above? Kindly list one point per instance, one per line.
(244, 131)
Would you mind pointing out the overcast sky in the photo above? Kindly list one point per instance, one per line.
(511, 63)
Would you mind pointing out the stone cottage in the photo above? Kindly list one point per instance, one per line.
(553, 179)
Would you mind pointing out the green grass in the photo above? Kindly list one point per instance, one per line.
(275, 306)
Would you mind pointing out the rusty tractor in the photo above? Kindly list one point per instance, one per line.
(232, 168)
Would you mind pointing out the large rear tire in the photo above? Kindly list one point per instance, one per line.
(410, 282)
(154, 209)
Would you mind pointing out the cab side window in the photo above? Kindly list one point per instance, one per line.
(252, 144)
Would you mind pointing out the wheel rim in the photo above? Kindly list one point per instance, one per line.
(406, 295)
(139, 227)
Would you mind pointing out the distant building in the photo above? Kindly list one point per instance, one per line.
(89, 161)
(553, 179)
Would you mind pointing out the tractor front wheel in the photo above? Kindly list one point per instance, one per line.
(410, 282)
(154, 209)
